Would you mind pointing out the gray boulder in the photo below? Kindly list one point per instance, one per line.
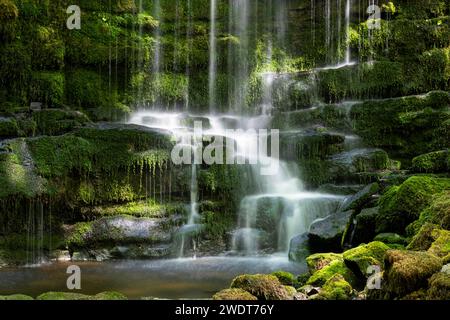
(326, 233)
(299, 248)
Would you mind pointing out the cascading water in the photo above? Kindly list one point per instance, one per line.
(347, 32)
(156, 66)
(212, 56)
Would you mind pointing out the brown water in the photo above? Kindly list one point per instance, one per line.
(171, 279)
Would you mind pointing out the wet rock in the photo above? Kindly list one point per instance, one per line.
(362, 229)
(328, 232)
(357, 201)
(309, 290)
(344, 190)
(299, 248)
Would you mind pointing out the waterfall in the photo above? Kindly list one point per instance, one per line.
(212, 56)
(347, 32)
(238, 63)
(189, 32)
(156, 65)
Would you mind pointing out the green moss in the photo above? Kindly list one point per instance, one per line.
(78, 296)
(286, 278)
(76, 238)
(58, 121)
(379, 79)
(264, 287)
(234, 294)
(48, 88)
(407, 126)
(401, 205)
(439, 287)
(318, 261)
(359, 259)
(320, 277)
(434, 162)
(437, 213)
(16, 297)
(336, 288)
(8, 128)
(391, 239)
(408, 271)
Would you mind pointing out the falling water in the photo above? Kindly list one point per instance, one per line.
(347, 32)
(238, 63)
(212, 56)
(189, 32)
(156, 66)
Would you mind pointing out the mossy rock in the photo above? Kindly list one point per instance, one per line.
(285, 278)
(407, 126)
(408, 271)
(320, 277)
(16, 297)
(439, 287)
(318, 261)
(432, 239)
(264, 287)
(63, 296)
(235, 294)
(434, 162)
(336, 288)
(8, 128)
(359, 259)
(107, 295)
(57, 121)
(391, 239)
(401, 205)
(437, 213)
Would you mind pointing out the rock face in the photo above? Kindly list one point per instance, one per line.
(120, 237)
(299, 248)
(327, 232)
(408, 271)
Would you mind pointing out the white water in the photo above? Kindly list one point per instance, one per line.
(156, 67)
(212, 56)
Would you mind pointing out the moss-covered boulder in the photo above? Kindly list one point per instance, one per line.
(318, 261)
(234, 295)
(286, 278)
(433, 239)
(391, 239)
(359, 259)
(264, 287)
(408, 271)
(321, 276)
(336, 288)
(437, 213)
(16, 297)
(434, 162)
(401, 205)
(109, 295)
(439, 287)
